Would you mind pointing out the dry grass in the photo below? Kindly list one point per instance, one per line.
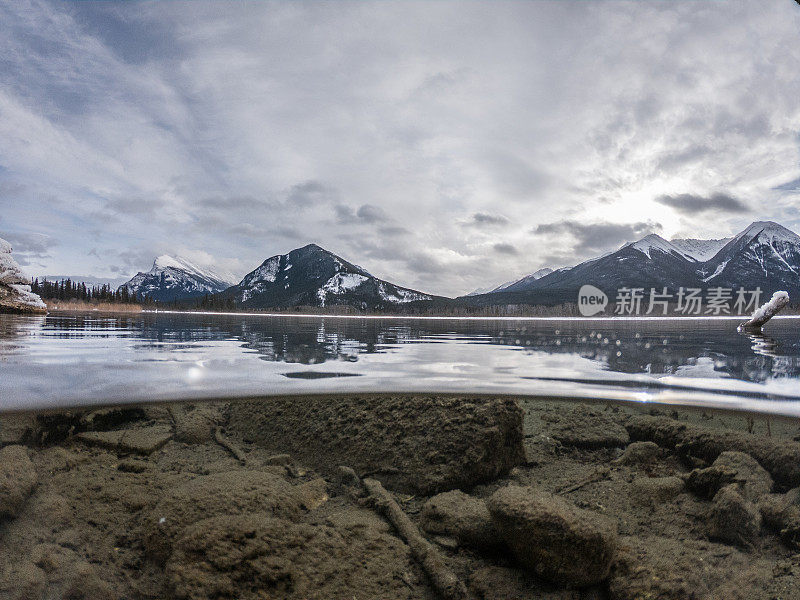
(80, 306)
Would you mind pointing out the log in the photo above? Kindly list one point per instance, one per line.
(442, 578)
(769, 309)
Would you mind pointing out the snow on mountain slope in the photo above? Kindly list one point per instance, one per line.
(176, 278)
(700, 250)
(655, 242)
(313, 276)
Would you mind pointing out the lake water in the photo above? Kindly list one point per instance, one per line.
(81, 359)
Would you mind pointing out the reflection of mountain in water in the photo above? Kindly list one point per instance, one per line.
(679, 347)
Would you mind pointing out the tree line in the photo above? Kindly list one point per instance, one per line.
(66, 289)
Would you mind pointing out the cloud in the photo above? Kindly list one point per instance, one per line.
(691, 204)
(29, 247)
(481, 219)
(243, 131)
(597, 237)
(504, 248)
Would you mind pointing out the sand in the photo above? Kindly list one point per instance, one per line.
(146, 503)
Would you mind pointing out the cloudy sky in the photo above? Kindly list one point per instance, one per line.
(441, 145)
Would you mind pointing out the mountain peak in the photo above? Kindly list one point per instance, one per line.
(653, 241)
(770, 229)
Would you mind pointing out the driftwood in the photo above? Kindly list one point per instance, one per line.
(220, 438)
(442, 578)
(772, 307)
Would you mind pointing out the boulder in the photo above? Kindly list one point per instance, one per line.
(460, 516)
(556, 540)
(225, 493)
(15, 291)
(585, 427)
(781, 513)
(639, 453)
(733, 519)
(752, 479)
(196, 426)
(255, 555)
(17, 479)
(413, 444)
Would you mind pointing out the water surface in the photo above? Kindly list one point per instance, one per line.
(77, 359)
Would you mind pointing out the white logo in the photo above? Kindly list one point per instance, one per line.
(591, 300)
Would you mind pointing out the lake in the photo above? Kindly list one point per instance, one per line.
(65, 359)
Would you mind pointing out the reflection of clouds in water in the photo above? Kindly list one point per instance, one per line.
(158, 356)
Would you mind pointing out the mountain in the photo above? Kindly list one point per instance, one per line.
(700, 250)
(175, 278)
(312, 276)
(765, 254)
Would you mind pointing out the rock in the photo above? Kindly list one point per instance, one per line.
(780, 458)
(17, 479)
(585, 427)
(639, 453)
(226, 493)
(345, 477)
(666, 569)
(730, 467)
(557, 541)
(476, 439)
(655, 490)
(142, 440)
(707, 482)
(278, 459)
(460, 516)
(312, 494)
(196, 426)
(15, 289)
(752, 479)
(257, 556)
(733, 519)
(781, 513)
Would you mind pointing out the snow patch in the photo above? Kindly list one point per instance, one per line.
(700, 250)
(343, 282)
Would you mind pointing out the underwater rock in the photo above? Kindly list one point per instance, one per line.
(558, 541)
(226, 493)
(639, 453)
(460, 516)
(655, 490)
(733, 519)
(416, 445)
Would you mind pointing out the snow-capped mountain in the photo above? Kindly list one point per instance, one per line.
(521, 283)
(312, 276)
(700, 250)
(175, 278)
(765, 255)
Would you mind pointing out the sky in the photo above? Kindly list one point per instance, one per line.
(443, 146)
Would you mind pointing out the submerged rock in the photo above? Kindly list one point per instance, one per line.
(731, 467)
(17, 479)
(585, 427)
(257, 555)
(733, 519)
(412, 444)
(460, 516)
(141, 440)
(226, 493)
(781, 513)
(639, 453)
(558, 541)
